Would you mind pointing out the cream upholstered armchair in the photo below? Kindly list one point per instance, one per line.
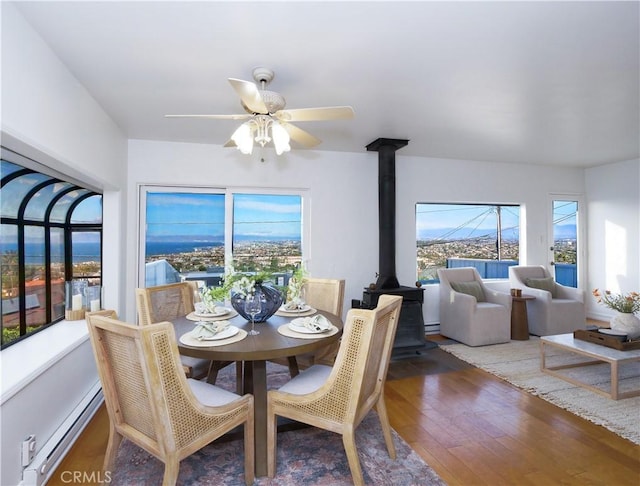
(470, 312)
(150, 401)
(556, 309)
(338, 398)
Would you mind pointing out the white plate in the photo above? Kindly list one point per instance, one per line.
(304, 308)
(301, 327)
(611, 332)
(219, 312)
(227, 333)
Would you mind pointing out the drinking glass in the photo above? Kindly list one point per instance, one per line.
(253, 306)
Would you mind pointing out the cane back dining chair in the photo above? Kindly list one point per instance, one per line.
(150, 401)
(165, 303)
(325, 294)
(215, 366)
(104, 313)
(338, 398)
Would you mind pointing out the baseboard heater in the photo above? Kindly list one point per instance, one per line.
(40, 469)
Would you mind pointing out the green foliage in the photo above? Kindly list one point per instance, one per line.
(239, 282)
(628, 303)
(12, 333)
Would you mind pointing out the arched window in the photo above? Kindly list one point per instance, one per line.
(50, 233)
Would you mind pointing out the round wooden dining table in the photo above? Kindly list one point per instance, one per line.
(254, 351)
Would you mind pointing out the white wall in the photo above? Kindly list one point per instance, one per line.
(49, 116)
(443, 180)
(343, 190)
(613, 200)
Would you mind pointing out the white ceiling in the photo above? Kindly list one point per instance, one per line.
(522, 82)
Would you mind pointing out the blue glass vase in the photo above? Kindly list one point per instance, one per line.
(271, 302)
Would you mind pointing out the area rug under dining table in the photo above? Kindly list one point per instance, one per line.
(307, 456)
(518, 362)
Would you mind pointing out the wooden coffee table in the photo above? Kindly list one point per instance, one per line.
(597, 352)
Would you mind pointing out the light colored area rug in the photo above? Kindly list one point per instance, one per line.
(518, 363)
(309, 456)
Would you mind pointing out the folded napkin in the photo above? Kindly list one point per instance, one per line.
(201, 308)
(204, 330)
(295, 304)
(317, 323)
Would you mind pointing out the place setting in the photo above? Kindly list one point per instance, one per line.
(211, 313)
(291, 309)
(296, 304)
(317, 326)
(213, 333)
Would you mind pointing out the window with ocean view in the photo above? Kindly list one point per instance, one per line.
(484, 236)
(267, 232)
(51, 233)
(193, 234)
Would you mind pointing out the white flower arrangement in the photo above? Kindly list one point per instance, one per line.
(234, 283)
(295, 290)
(209, 300)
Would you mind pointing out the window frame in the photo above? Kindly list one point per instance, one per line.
(23, 223)
(521, 213)
(228, 192)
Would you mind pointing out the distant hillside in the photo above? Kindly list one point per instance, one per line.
(567, 231)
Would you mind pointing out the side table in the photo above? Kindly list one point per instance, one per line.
(519, 321)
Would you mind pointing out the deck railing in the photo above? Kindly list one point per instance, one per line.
(566, 273)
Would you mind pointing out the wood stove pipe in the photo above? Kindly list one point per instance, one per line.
(386, 148)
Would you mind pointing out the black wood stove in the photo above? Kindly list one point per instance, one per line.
(409, 338)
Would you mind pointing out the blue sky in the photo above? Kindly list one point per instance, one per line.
(468, 219)
(198, 214)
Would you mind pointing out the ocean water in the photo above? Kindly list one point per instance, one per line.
(90, 251)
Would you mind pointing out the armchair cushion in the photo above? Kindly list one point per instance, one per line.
(470, 288)
(547, 283)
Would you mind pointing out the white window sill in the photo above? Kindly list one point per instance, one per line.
(24, 361)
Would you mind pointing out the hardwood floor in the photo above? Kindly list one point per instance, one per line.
(471, 427)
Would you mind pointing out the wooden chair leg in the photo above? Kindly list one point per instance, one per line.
(249, 449)
(171, 470)
(348, 439)
(272, 442)
(381, 408)
(112, 448)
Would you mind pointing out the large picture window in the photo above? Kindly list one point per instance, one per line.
(51, 233)
(194, 233)
(484, 236)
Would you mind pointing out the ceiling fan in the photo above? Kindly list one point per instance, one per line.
(267, 119)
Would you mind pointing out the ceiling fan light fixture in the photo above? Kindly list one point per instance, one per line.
(266, 117)
(262, 124)
(243, 138)
(280, 138)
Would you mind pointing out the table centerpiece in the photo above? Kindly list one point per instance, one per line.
(625, 307)
(237, 285)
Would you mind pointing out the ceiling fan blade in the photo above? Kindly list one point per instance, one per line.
(300, 136)
(230, 143)
(214, 117)
(250, 95)
(316, 114)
